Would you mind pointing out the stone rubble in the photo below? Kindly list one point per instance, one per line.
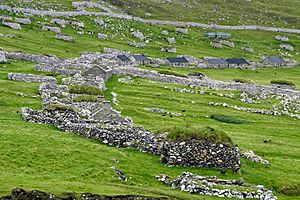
(12, 25)
(64, 37)
(196, 184)
(31, 78)
(102, 36)
(250, 155)
(51, 28)
(22, 20)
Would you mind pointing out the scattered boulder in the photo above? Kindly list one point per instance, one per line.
(2, 58)
(64, 37)
(99, 21)
(22, 20)
(287, 47)
(13, 25)
(182, 30)
(282, 38)
(248, 49)
(227, 43)
(138, 35)
(216, 44)
(136, 44)
(51, 28)
(102, 36)
(170, 50)
(171, 40)
(164, 32)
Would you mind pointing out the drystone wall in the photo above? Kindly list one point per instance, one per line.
(155, 22)
(31, 78)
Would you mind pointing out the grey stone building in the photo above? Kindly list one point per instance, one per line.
(101, 71)
(273, 61)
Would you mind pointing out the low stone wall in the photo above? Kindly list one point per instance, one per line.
(210, 186)
(31, 78)
(193, 153)
(125, 136)
(20, 194)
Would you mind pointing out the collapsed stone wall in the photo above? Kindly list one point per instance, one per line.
(31, 78)
(125, 136)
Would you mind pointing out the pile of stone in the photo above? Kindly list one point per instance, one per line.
(169, 49)
(31, 78)
(287, 47)
(63, 22)
(137, 44)
(171, 40)
(138, 35)
(67, 38)
(23, 20)
(197, 184)
(248, 49)
(2, 58)
(127, 80)
(20, 194)
(51, 28)
(102, 36)
(12, 25)
(250, 155)
(164, 112)
(182, 30)
(201, 154)
(216, 44)
(227, 43)
(282, 38)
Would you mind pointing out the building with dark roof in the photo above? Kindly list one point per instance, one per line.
(123, 59)
(141, 59)
(273, 61)
(179, 61)
(237, 62)
(216, 62)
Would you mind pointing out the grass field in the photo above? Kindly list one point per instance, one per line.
(36, 156)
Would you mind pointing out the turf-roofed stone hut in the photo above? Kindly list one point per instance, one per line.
(206, 147)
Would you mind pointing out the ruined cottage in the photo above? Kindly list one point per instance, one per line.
(101, 71)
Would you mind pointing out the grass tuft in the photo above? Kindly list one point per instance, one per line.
(239, 80)
(205, 134)
(83, 89)
(172, 73)
(86, 98)
(228, 119)
(283, 82)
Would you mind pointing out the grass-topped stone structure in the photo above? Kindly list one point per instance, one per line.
(201, 147)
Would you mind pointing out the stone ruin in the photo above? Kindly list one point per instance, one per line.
(102, 36)
(63, 22)
(2, 58)
(282, 38)
(51, 28)
(12, 25)
(64, 37)
(196, 184)
(137, 44)
(182, 30)
(31, 78)
(23, 20)
(287, 47)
